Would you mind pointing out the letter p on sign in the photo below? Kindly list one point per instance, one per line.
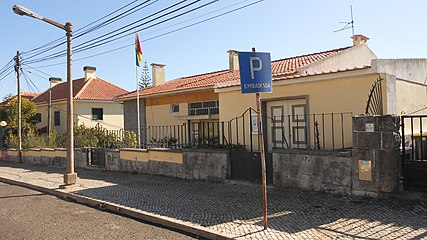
(253, 69)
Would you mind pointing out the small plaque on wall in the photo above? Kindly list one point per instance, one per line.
(365, 170)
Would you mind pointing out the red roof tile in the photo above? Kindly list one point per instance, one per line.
(29, 95)
(93, 89)
(279, 67)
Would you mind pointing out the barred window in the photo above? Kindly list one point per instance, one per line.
(203, 108)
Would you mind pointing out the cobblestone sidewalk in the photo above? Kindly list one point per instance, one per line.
(236, 209)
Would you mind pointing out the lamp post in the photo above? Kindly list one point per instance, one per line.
(3, 124)
(70, 176)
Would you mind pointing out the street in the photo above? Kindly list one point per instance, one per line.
(28, 214)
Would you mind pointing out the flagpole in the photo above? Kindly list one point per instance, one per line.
(137, 108)
(138, 55)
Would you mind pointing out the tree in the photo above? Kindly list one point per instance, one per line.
(145, 80)
(9, 113)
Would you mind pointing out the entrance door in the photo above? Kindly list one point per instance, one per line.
(287, 124)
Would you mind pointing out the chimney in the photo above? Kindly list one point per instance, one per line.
(54, 80)
(233, 60)
(89, 72)
(359, 40)
(158, 74)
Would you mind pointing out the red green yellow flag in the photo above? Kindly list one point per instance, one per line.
(138, 50)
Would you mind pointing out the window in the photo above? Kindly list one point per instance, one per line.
(175, 108)
(97, 113)
(203, 108)
(56, 118)
(38, 117)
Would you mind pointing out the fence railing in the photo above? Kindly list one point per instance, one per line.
(325, 131)
(414, 134)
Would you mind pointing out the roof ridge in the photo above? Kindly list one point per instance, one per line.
(86, 84)
(201, 74)
(101, 79)
(315, 53)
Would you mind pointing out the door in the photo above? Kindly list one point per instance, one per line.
(287, 124)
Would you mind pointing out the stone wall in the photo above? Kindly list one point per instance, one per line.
(212, 165)
(376, 142)
(204, 164)
(372, 168)
(313, 170)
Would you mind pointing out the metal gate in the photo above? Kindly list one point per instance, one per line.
(96, 157)
(414, 152)
(246, 165)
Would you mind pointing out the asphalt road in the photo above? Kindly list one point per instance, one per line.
(28, 214)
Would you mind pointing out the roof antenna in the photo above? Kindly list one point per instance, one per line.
(348, 24)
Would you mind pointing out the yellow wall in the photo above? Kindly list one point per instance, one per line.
(113, 114)
(151, 155)
(158, 109)
(323, 96)
(62, 108)
(134, 155)
(161, 115)
(411, 97)
(182, 98)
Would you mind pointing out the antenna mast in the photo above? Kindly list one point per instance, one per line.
(348, 24)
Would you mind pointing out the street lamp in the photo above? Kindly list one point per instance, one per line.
(3, 124)
(70, 176)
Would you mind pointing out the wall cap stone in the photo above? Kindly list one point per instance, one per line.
(205, 150)
(336, 153)
(133, 149)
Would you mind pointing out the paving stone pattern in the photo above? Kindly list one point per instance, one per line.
(236, 208)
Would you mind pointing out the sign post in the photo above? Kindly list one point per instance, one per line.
(255, 77)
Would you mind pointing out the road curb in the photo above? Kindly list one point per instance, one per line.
(124, 210)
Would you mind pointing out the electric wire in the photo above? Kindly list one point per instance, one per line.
(30, 86)
(106, 37)
(77, 31)
(157, 36)
(11, 71)
(116, 18)
(26, 65)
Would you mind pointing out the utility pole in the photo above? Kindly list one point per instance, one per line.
(18, 79)
(49, 114)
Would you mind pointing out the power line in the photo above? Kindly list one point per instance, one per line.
(160, 35)
(49, 75)
(41, 48)
(106, 36)
(28, 80)
(11, 71)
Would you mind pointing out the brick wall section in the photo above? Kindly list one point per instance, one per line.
(381, 148)
(313, 170)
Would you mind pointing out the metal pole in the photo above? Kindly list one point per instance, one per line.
(70, 176)
(138, 109)
(261, 147)
(18, 78)
(49, 114)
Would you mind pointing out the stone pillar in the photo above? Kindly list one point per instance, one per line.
(376, 155)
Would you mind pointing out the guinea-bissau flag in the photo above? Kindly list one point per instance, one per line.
(138, 50)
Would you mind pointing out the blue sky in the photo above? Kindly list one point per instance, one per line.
(283, 27)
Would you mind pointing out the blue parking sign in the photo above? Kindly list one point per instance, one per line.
(255, 72)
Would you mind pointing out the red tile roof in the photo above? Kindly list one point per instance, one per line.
(29, 95)
(93, 89)
(279, 67)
